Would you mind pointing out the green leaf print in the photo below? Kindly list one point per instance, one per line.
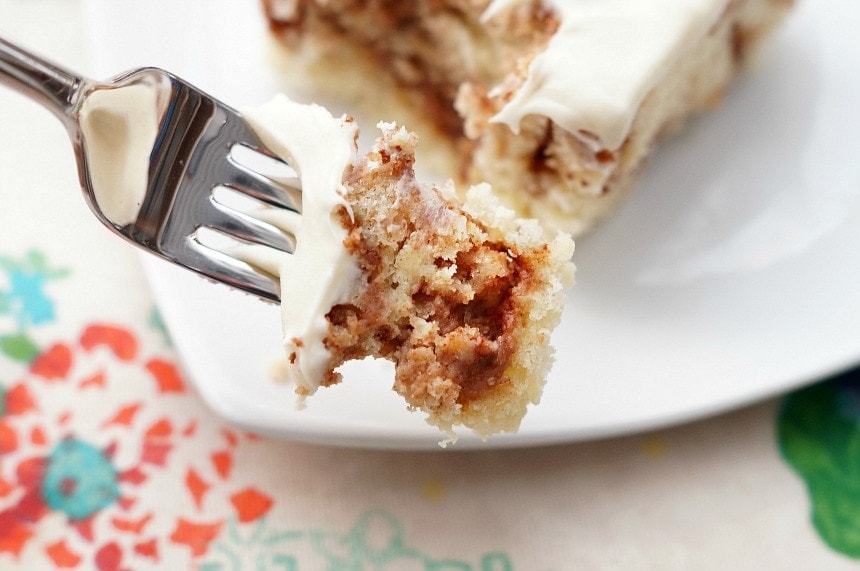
(18, 347)
(819, 436)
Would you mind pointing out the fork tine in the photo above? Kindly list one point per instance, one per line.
(281, 193)
(223, 268)
(247, 228)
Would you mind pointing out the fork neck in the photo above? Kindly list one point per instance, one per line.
(52, 86)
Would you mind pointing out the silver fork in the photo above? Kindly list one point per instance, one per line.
(193, 155)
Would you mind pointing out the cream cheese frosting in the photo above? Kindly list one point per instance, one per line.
(598, 67)
(320, 272)
(120, 126)
(603, 61)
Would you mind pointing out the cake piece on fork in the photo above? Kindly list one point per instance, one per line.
(461, 296)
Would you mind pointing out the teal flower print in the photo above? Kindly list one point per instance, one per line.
(79, 480)
(377, 541)
(25, 298)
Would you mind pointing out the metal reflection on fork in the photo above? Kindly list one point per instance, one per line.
(192, 156)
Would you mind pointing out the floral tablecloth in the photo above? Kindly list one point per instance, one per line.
(109, 460)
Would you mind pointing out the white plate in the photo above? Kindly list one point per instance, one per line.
(731, 274)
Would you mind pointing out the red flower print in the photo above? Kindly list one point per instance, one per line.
(109, 557)
(120, 341)
(97, 379)
(13, 534)
(19, 400)
(223, 463)
(135, 526)
(62, 556)
(148, 549)
(197, 487)
(53, 364)
(6, 488)
(166, 376)
(8, 437)
(124, 415)
(160, 429)
(196, 536)
(251, 504)
(100, 414)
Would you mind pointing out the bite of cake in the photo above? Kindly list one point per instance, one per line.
(462, 296)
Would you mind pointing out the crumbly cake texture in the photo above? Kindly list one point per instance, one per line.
(461, 297)
(460, 70)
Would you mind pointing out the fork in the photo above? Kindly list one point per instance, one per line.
(194, 153)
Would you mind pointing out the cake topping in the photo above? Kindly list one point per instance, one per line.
(320, 272)
(602, 62)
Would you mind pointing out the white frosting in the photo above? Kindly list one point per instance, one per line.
(320, 273)
(119, 128)
(604, 59)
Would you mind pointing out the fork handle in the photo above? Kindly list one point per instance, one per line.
(52, 86)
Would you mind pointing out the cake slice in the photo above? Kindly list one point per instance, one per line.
(461, 297)
(556, 103)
